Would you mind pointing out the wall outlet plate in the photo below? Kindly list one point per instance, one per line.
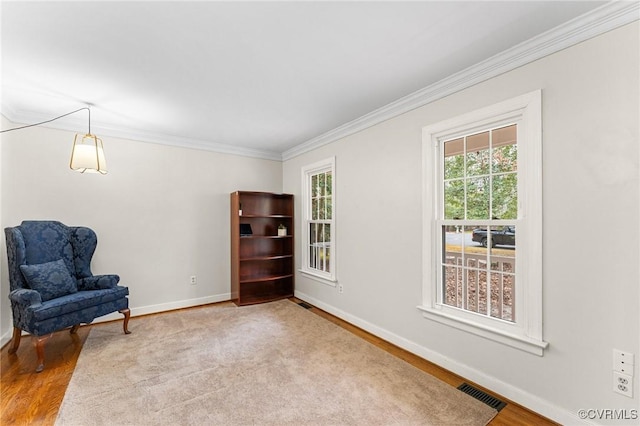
(623, 384)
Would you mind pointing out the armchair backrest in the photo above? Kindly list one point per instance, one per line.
(41, 241)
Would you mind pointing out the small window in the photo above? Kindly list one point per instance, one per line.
(482, 251)
(318, 257)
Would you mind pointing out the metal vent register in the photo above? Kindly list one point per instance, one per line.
(304, 305)
(482, 396)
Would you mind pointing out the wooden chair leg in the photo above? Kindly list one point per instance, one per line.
(40, 342)
(15, 340)
(125, 324)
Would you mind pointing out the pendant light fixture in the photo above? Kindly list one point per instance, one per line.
(87, 154)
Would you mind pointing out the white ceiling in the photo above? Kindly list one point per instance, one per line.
(258, 78)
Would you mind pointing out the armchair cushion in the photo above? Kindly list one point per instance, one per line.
(90, 300)
(98, 282)
(51, 279)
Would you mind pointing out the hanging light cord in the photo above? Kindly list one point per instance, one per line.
(53, 119)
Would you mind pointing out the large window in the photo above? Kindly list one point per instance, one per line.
(318, 255)
(482, 230)
(479, 199)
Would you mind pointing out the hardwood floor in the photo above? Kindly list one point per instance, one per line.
(30, 398)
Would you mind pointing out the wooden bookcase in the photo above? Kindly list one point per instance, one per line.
(261, 263)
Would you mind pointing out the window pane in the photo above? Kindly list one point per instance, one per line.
(452, 284)
(314, 209)
(314, 186)
(503, 268)
(313, 246)
(472, 289)
(478, 198)
(326, 237)
(505, 159)
(327, 264)
(454, 147)
(508, 312)
(454, 199)
(454, 239)
(502, 296)
(454, 167)
(321, 184)
(329, 207)
(505, 197)
(329, 183)
(478, 163)
(321, 209)
(313, 233)
(477, 152)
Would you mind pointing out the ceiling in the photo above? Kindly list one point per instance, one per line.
(258, 78)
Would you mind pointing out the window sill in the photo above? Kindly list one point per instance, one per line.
(527, 344)
(319, 278)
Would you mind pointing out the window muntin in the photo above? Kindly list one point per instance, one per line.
(319, 207)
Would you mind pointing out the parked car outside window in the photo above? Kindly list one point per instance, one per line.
(503, 236)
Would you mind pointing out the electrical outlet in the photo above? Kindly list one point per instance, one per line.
(340, 288)
(194, 280)
(623, 384)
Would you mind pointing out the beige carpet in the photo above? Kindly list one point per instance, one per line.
(271, 364)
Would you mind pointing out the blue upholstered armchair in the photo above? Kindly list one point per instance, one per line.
(52, 286)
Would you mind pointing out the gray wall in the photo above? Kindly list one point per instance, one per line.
(590, 230)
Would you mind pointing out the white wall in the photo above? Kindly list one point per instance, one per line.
(591, 230)
(161, 214)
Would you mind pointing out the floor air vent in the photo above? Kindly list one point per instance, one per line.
(482, 396)
(304, 305)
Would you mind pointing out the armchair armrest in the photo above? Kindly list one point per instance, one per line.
(25, 297)
(98, 282)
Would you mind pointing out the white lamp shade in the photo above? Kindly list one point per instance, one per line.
(88, 155)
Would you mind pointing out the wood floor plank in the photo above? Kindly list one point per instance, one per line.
(30, 398)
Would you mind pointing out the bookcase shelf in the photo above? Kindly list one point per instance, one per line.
(261, 263)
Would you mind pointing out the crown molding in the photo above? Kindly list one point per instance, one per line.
(75, 124)
(596, 22)
(189, 143)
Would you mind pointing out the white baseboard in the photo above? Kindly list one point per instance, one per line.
(6, 337)
(521, 396)
(146, 310)
(163, 307)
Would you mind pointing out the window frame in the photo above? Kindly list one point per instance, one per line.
(323, 166)
(525, 332)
